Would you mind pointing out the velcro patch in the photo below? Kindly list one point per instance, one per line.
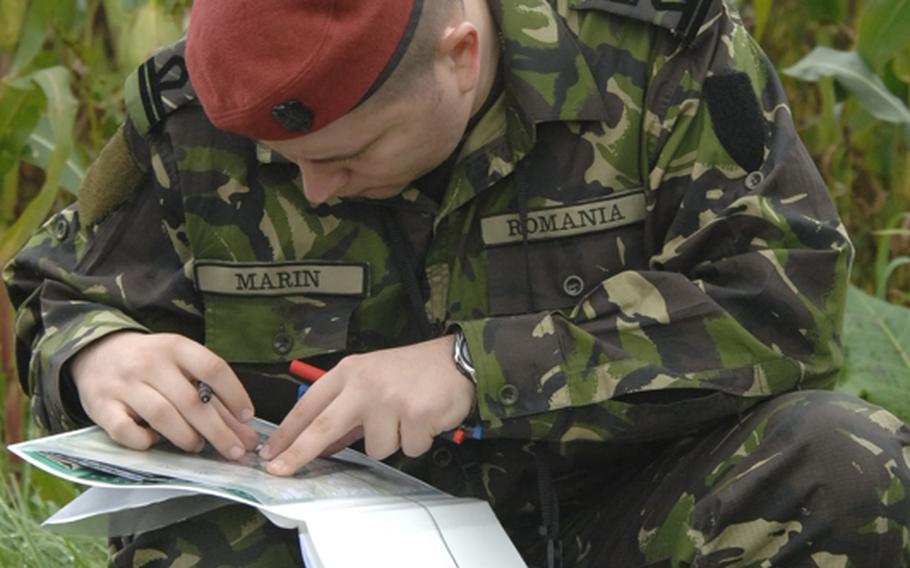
(566, 221)
(282, 279)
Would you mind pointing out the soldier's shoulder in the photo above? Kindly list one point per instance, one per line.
(685, 19)
(157, 88)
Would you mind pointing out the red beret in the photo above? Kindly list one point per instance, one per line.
(278, 69)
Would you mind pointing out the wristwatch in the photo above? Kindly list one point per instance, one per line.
(462, 357)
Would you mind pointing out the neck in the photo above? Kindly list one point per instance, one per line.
(478, 12)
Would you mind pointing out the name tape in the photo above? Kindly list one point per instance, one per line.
(284, 279)
(567, 221)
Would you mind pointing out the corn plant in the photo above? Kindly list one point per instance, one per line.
(845, 65)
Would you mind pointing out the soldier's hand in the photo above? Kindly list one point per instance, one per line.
(136, 386)
(396, 398)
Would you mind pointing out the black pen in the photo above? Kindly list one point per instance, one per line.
(205, 392)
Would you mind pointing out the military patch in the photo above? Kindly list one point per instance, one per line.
(158, 87)
(282, 279)
(566, 221)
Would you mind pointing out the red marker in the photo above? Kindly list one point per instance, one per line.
(310, 373)
(306, 371)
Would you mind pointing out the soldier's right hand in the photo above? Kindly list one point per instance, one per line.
(136, 386)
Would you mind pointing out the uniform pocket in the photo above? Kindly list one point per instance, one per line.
(256, 313)
(570, 250)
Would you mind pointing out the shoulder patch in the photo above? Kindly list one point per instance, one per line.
(158, 87)
(684, 18)
(111, 179)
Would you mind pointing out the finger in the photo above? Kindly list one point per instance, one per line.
(197, 362)
(244, 432)
(415, 441)
(380, 435)
(330, 426)
(316, 400)
(344, 442)
(202, 417)
(123, 428)
(161, 415)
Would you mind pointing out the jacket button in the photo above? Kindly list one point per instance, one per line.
(61, 228)
(442, 457)
(754, 180)
(282, 343)
(508, 394)
(573, 285)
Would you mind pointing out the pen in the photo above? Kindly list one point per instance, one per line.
(205, 392)
(310, 373)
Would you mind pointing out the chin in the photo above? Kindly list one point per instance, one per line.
(384, 192)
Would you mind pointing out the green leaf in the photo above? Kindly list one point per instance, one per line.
(34, 31)
(825, 10)
(849, 70)
(902, 65)
(11, 23)
(762, 13)
(40, 149)
(19, 112)
(877, 345)
(883, 30)
(61, 113)
(143, 29)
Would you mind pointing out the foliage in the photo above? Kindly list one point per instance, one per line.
(62, 66)
(26, 500)
(877, 341)
(846, 68)
(845, 65)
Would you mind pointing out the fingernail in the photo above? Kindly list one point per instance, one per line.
(246, 415)
(265, 451)
(236, 453)
(278, 467)
(200, 447)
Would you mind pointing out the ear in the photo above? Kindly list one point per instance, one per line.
(459, 50)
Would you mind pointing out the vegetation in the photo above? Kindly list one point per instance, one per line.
(844, 63)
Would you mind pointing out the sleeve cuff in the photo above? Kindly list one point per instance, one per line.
(519, 364)
(50, 365)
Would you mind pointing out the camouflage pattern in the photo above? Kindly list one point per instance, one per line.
(625, 284)
(234, 535)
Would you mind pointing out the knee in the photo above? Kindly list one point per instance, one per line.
(828, 469)
(839, 425)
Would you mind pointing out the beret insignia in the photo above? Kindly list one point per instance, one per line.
(293, 115)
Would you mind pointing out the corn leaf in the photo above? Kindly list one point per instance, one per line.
(877, 344)
(40, 150)
(11, 23)
(884, 30)
(61, 112)
(762, 13)
(851, 72)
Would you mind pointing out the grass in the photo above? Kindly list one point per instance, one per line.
(27, 497)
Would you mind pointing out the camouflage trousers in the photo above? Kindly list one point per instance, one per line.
(812, 478)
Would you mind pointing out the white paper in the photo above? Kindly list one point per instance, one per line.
(116, 512)
(349, 510)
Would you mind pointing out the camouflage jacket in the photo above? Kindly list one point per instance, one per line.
(633, 239)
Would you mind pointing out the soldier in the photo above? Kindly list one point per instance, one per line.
(587, 227)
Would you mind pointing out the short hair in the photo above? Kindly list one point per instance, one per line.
(418, 59)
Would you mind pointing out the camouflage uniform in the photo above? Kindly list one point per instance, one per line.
(639, 250)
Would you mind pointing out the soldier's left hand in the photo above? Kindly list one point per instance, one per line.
(394, 398)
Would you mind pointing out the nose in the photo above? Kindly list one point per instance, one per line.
(322, 181)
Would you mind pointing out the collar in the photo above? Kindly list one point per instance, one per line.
(546, 79)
